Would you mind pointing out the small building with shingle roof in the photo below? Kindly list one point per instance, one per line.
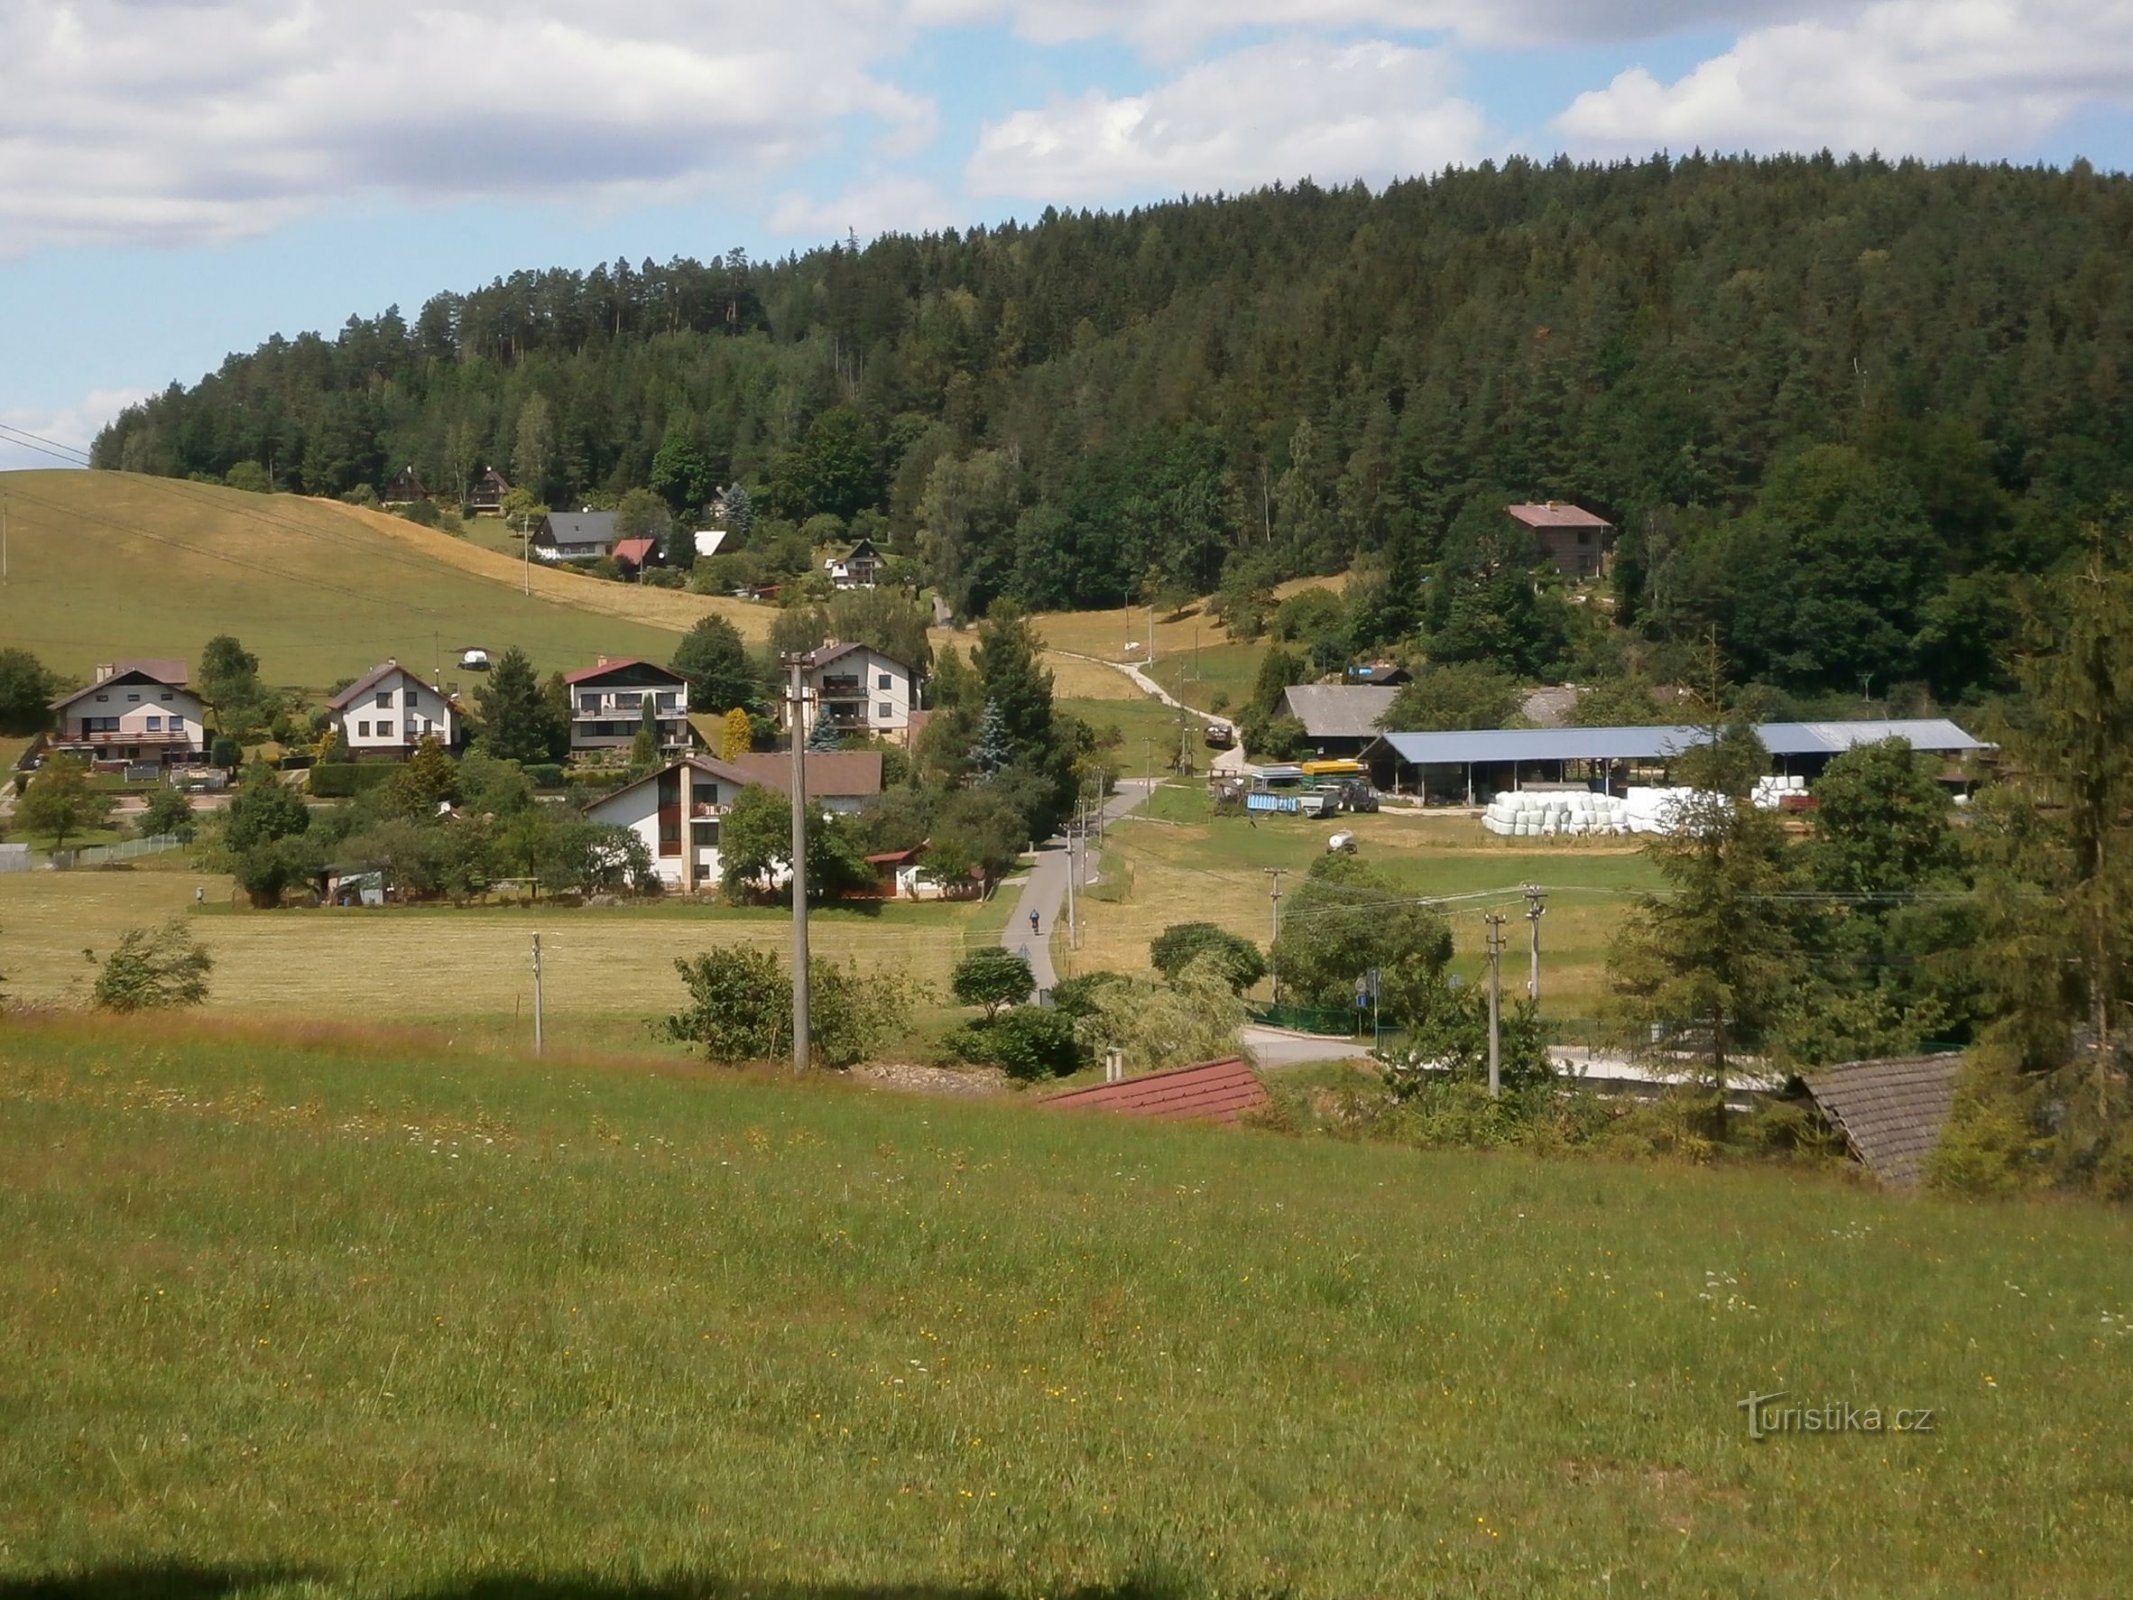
(1890, 1112)
(1339, 719)
(1213, 1091)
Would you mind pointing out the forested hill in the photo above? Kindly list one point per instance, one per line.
(1832, 403)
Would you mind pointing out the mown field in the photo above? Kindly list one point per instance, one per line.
(350, 1317)
(107, 564)
(1180, 863)
(606, 970)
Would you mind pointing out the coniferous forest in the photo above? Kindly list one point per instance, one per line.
(1840, 409)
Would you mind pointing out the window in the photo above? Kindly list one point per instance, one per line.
(167, 695)
(177, 724)
(1584, 536)
(882, 681)
(413, 700)
(133, 699)
(103, 697)
(155, 724)
(385, 730)
(362, 730)
(887, 711)
(588, 702)
(385, 700)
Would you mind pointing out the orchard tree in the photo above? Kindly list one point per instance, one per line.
(993, 977)
(62, 802)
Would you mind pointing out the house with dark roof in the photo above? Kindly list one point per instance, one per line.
(607, 705)
(574, 535)
(1575, 541)
(485, 496)
(1338, 719)
(1890, 1112)
(406, 488)
(860, 568)
(680, 810)
(389, 711)
(135, 712)
(856, 689)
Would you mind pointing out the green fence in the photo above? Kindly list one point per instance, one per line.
(1313, 1019)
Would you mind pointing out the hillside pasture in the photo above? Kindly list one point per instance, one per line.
(357, 1317)
(107, 564)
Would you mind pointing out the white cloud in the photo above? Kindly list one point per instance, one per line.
(136, 121)
(890, 204)
(68, 428)
(1932, 78)
(1170, 28)
(1292, 109)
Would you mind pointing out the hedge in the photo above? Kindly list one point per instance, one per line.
(341, 780)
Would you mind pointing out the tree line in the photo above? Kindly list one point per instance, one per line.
(1836, 407)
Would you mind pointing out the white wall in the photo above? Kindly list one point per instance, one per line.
(888, 709)
(143, 711)
(408, 702)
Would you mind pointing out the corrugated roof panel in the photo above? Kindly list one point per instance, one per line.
(1485, 745)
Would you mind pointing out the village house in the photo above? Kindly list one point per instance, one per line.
(634, 555)
(406, 488)
(486, 495)
(388, 712)
(607, 705)
(860, 569)
(1339, 719)
(678, 811)
(856, 689)
(574, 535)
(1577, 543)
(135, 712)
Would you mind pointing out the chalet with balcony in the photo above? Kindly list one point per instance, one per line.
(607, 706)
(486, 496)
(1574, 541)
(137, 712)
(406, 488)
(679, 810)
(857, 690)
(388, 712)
(860, 569)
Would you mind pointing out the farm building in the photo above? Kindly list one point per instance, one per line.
(389, 711)
(1573, 540)
(135, 712)
(689, 798)
(1459, 767)
(1338, 719)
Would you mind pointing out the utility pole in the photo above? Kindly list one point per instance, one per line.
(796, 707)
(1276, 874)
(1074, 838)
(1148, 764)
(1536, 908)
(537, 1040)
(525, 554)
(1495, 922)
(3, 540)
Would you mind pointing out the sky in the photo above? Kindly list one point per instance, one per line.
(183, 178)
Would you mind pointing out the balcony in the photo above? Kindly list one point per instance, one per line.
(185, 739)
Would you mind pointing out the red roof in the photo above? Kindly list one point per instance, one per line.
(1557, 514)
(634, 551)
(1213, 1091)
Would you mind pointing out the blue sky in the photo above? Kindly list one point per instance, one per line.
(182, 178)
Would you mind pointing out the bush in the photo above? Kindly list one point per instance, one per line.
(993, 978)
(1178, 945)
(344, 780)
(544, 774)
(663, 578)
(1029, 1043)
(153, 969)
(740, 1008)
(422, 513)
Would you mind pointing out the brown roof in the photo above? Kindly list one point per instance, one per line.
(831, 774)
(363, 685)
(169, 674)
(1213, 1091)
(833, 652)
(1557, 514)
(1890, 1112)
(710, 766)
(586, 674)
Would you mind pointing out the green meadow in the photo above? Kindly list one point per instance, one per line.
(349, 1315)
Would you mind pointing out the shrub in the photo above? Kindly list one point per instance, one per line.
(153, 969)
(1029, 1043)
(544, 774)
(993, 978)
(422, 513)
(169, 811)
(344, 780)
(1178, 945)
(740, 1008)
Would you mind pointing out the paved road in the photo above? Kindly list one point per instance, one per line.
(1044, 892)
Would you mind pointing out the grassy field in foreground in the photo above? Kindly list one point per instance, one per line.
(606, 969)
(107, 564)
(344, 1319)
(1183, 864)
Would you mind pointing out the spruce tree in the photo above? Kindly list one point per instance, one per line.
(992, 750)
(516, 719)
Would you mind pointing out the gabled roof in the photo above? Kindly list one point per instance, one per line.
(1339, 710)
(369, 681)
(836, 652)
(1890, 1112)
(634, 551)
(864, 550)
(1214, 1091)
(588, 674)
(709, 766)
(162, 674)
(578, 527)
(831, 774)
(1557, 514)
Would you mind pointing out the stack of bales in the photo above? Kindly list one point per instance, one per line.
(1527, 815)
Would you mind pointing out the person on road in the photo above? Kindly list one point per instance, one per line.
(1033, 922)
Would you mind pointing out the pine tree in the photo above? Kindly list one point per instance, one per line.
(516, 720)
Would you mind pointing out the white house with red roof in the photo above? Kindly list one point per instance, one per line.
(607, 705)
(136, 712)
(388, 712)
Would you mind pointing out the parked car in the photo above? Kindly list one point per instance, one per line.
(474, 659)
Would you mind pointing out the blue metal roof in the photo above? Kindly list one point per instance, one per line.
(1936, 734)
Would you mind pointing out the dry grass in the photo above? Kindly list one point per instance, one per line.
(1078, 678)
(428, 965)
